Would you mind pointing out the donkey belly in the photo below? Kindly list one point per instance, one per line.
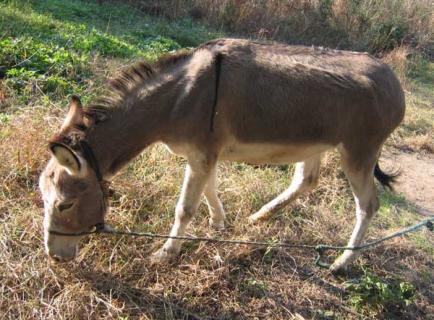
(264, 153)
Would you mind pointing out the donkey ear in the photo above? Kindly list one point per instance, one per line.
(66, 157)
(75, 113)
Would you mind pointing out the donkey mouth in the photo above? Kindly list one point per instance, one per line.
(62, 258)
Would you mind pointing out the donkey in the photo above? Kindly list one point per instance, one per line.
(228, 99)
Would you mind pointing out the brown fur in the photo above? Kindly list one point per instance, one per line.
(296, 95)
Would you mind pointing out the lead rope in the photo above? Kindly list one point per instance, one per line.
(320, 249)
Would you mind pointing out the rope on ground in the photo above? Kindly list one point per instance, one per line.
(320, 248)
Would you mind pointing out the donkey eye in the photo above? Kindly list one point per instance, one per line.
(64, 206)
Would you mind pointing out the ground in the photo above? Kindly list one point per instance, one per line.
(51, 49)
(416, 181)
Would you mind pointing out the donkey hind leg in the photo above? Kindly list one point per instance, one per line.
(196, 175)
(305, 178)
(365, 196)
(217, 213)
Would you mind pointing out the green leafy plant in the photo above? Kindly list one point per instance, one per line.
(4, 118)
(372, 290)
(253, 288)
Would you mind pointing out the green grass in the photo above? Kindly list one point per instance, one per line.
(50, 48)
(396, 213)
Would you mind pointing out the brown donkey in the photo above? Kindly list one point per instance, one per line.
(229, 99)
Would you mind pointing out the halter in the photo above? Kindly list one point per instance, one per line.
(89, 156)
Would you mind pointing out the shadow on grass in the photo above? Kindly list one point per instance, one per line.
(396, 202)
(77, 36)
(137, 301)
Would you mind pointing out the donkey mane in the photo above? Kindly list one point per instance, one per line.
(131, 78)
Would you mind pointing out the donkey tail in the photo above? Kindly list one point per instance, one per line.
(386, 179)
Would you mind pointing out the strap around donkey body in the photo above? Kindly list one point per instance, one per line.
(90, 158)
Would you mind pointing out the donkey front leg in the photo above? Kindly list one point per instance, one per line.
(196, 175)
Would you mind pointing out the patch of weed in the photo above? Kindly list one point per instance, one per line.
(4, 118)
(371, 290)
(253, 288)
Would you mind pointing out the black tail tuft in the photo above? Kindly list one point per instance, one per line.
(385, 179)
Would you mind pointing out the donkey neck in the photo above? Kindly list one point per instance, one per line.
(140, 119)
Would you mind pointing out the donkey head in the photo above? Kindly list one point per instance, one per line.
(71, 188)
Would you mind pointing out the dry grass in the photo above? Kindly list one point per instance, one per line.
(399, 59)
(368, 25)
(113, 278)
(416, 133)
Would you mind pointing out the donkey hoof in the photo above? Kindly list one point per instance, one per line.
(163, 256)
(257, 217)
(218, 225)
(338, 267)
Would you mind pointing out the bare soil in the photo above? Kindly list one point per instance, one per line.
(416, 180)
